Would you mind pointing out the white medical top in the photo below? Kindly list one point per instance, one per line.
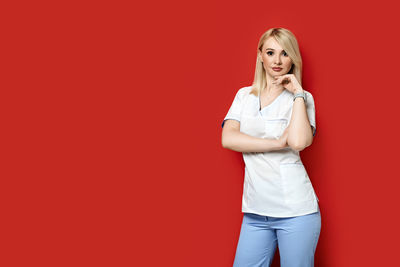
(276, 183)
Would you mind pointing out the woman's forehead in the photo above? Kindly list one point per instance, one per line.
(271, 44)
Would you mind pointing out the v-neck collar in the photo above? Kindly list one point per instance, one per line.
(270, 104)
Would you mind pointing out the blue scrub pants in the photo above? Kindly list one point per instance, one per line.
(296, 237)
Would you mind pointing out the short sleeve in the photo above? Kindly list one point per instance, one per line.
(234, 112)
(311, 112)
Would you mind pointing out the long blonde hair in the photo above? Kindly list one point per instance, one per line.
(288, 42)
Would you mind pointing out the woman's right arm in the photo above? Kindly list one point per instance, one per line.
(235, 140)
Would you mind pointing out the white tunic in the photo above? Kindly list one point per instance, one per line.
(276, 183)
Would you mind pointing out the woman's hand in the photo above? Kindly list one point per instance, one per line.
(289, 82)
(282, 141)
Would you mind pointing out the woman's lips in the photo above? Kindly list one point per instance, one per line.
(277, 69)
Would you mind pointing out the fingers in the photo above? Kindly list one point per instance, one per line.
(285, 134)
(283, 78)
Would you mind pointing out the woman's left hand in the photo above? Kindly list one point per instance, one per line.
(289, 82)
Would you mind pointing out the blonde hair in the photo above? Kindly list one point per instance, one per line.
(288, 42)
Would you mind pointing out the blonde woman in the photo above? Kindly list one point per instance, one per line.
(270, 122)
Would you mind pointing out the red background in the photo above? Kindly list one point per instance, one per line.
(111, 118)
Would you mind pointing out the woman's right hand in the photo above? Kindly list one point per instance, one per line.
(282, 141)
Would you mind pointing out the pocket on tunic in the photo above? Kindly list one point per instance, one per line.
(274, 128)
(296, 184)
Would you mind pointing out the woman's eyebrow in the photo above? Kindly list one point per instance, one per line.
(271, 49)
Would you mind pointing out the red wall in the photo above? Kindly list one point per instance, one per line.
(111, 120)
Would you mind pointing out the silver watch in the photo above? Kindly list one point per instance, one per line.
(303, 95)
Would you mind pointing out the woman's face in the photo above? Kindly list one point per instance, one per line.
(273, 56)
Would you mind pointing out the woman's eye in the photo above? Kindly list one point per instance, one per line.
(270, 53)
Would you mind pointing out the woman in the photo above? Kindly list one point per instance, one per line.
(270, 122)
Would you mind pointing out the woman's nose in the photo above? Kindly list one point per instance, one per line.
(277, 60)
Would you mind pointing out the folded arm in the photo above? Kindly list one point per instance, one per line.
(235, 140)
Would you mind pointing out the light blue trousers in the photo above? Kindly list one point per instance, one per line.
(296, 237)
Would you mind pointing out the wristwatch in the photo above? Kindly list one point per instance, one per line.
(303, 95)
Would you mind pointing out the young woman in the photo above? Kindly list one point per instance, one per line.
(270, 122)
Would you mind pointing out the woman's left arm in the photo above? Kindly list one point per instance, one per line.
(300, 133)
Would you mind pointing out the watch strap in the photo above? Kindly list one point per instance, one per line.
(303, 95)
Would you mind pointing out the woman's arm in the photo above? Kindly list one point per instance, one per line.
(300, 131)
(235, 140)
